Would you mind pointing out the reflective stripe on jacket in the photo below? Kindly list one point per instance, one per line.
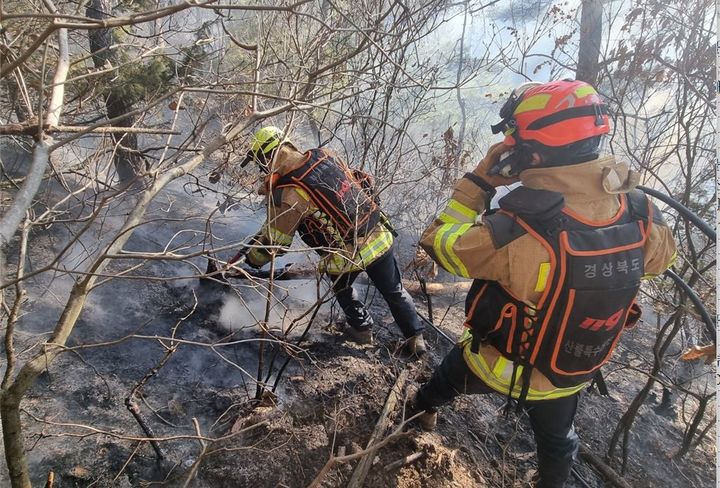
(496, 371)
(464, 246)
(287, 209)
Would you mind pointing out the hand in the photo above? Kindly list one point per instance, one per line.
(706, 353)
(491, 159)
(423, 264)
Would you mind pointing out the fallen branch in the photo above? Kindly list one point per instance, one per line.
(135, 411)
(414, 286)
(361, 471)
(404, 461)
(604, 469)
(396, 434)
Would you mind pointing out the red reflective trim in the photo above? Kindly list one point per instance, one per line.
(474, 304)
(558, 285)
(566, 244)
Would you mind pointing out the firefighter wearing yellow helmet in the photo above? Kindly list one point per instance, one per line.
(335, 211)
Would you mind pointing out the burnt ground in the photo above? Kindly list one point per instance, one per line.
(330, 398)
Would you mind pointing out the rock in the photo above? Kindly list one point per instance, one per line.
(80, 472)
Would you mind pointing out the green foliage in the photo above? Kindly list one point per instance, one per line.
(137, 80)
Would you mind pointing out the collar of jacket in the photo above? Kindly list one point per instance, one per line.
(287, 160)
(593, 180)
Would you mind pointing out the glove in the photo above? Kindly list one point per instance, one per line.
(490, 160)
(423, 265)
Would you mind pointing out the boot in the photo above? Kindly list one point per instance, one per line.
(359, 336)
(415, 346)
(428, 421)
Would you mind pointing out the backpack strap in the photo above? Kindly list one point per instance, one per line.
(531, 204)
(503, 228)
(539, 206)
(638, 205)
(641, 206)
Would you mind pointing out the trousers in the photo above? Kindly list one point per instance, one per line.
(385, 275)
(551, 420)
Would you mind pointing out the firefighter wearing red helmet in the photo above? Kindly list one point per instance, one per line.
(556, 269)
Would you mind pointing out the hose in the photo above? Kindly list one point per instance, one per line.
(703, 226)
(709, 322)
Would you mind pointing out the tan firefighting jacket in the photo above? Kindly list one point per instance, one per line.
(465, 248)
(288, 207)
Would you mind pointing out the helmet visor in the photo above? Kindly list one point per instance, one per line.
(508, 108)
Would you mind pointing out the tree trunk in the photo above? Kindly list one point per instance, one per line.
(590, 38)
(13, 441)
(127, 159)
(11, 397)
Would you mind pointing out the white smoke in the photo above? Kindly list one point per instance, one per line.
(293, 301)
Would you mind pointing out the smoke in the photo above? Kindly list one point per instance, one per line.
(292, 301)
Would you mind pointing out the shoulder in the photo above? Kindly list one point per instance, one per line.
(291, 196)
(503, 228)
(533, 204)
(521, 203)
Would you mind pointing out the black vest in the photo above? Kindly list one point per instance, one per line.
(589, 296)
(347, 211)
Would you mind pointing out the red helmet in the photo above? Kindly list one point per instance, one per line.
(554, 114)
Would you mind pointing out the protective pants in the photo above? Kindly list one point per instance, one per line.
(551, 420)
(385, 275)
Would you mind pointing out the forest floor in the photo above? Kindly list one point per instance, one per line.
(329, 401)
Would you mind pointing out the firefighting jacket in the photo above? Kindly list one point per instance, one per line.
(322, 199)
(522, 267)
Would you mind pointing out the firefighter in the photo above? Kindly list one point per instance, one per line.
(336, 213)
(556, 269)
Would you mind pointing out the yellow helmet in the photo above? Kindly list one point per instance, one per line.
(264, 142)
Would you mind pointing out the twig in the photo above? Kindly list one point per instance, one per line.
(361, 471)
(396, 434)
(424, 290)
(578, 477)
(135, 411)
(135, 392)
(50, 483)
(437, 329)
(203, 448)
(404, 461)
(132, 455)
(604, 469)
(31, 129)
